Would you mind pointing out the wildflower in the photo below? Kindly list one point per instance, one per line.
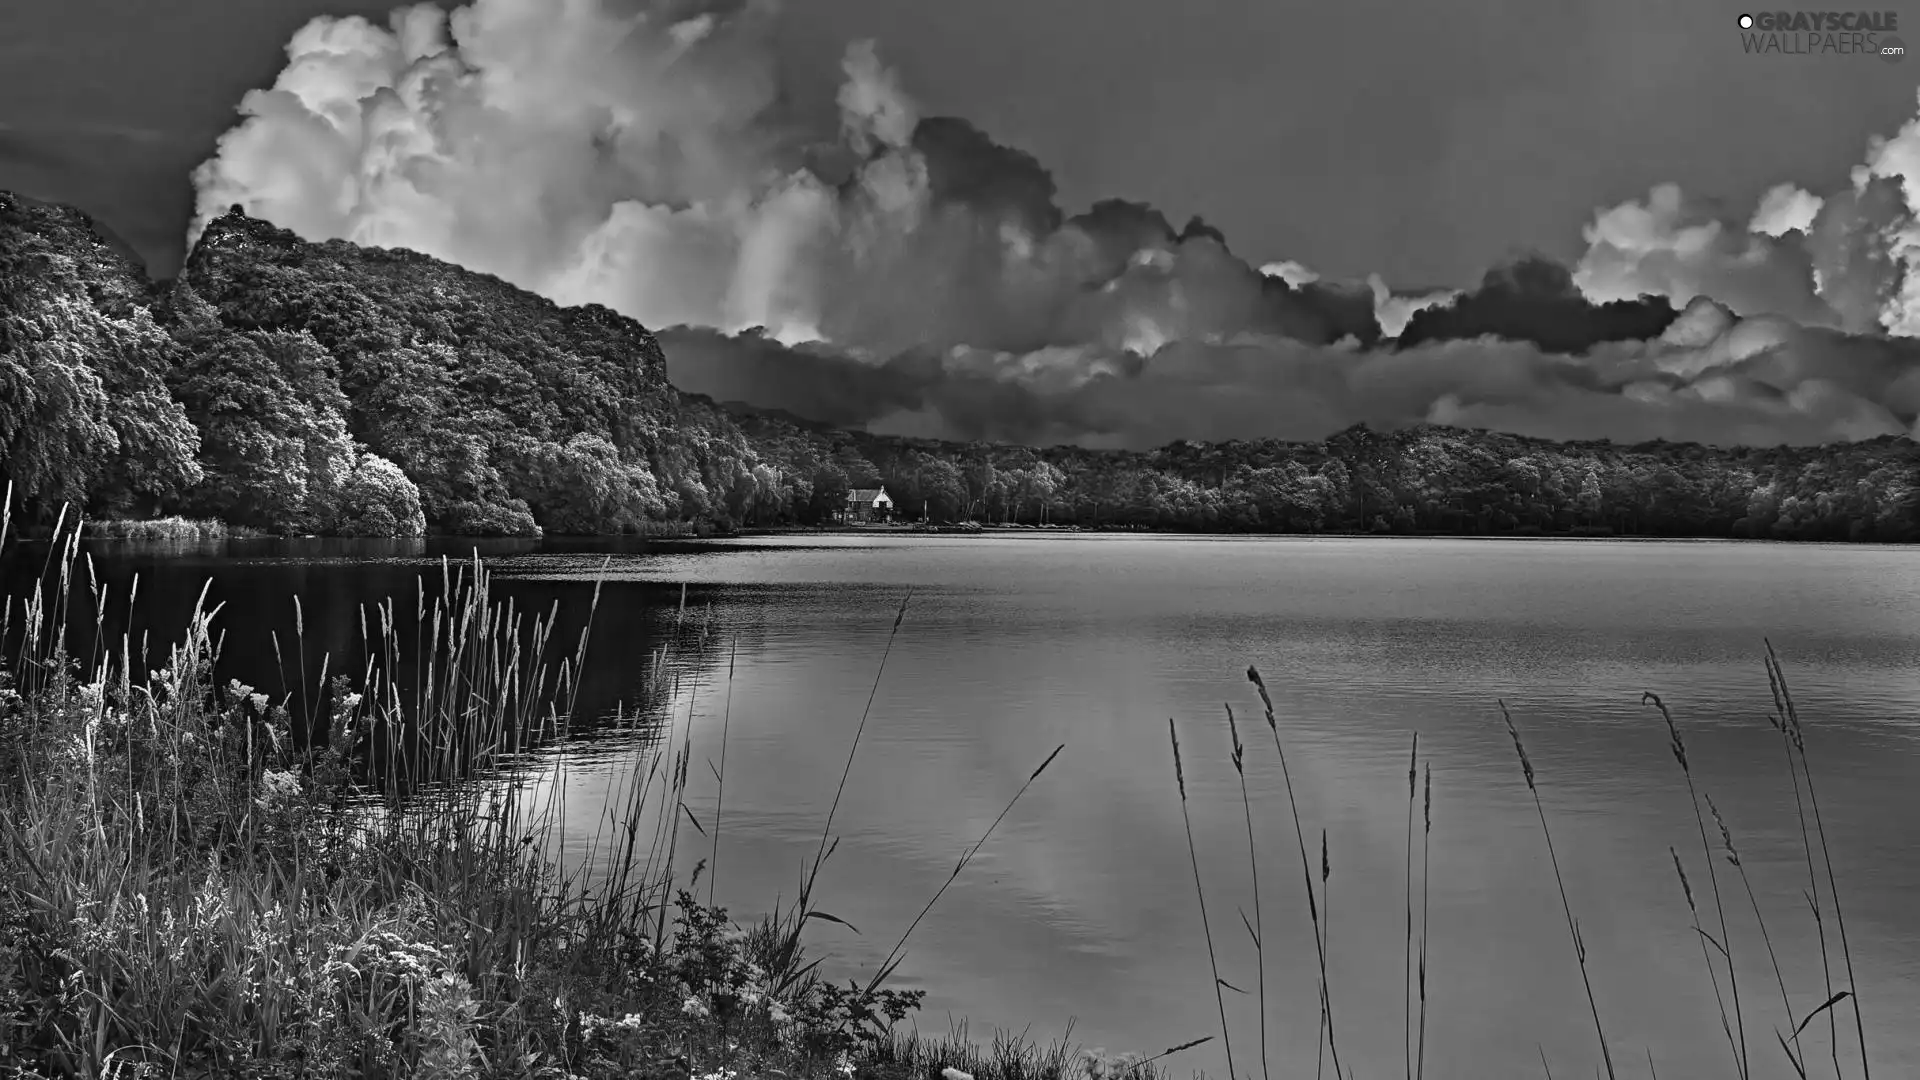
(843, 1064)
(776, 1013)
(277, 786)
(695, 1008)
(952, 1073)
(259, 702)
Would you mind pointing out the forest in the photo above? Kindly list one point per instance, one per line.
(326, 388)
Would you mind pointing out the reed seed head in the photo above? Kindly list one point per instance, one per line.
(1239, 752)
(1685, 885)
(1726, 834)
(1253, 676)
(1413, 765)
(1179, 773)
(1429, 806)
(1526, 764)
(1675, 742)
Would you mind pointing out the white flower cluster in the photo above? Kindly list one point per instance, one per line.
(386, 952)
(591, 1024)
(277, 787)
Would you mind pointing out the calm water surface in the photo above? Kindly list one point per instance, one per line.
(1083, 907)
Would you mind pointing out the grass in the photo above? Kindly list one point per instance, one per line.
(200, 880)
(168, 528)
(190, 888)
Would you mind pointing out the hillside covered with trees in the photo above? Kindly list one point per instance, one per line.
(328, 388)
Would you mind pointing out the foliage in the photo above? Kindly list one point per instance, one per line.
(1426, 479)
(275, 452)
(84, 410)
(377, 499)
(510, 414)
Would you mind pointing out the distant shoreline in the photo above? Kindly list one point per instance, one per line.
(206, 531)
(1081, 531)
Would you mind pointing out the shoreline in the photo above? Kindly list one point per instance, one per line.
(129, 531)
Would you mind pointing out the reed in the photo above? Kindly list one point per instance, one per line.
(1786, 1004)
(1779, 722)
(1257, 929)
(1573, 926)
(1326, 942)
(1406, 989)
(1783, 699)
(1306, 873)
(895, 955)
(1426, 864)
(1724, 943)
(720, 774)
(1206, 926)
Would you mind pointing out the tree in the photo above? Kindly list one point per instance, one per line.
(274, 448)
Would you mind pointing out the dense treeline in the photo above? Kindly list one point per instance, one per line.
(1429, 479)
(329, 388)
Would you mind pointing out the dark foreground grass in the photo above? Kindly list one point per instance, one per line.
(206, 881)
(191, 888)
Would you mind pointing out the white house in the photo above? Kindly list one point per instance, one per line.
(867, 504)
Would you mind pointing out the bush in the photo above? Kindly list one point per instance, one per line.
(378, 500)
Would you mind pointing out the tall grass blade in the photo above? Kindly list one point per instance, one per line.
(1573, 927)
(1180, 777)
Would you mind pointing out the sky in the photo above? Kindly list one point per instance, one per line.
(889, 213)
(1423, 142)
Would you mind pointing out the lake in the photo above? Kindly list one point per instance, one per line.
(1082, 906)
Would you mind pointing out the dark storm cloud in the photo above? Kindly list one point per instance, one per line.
(1709, 377)
(1534, 300)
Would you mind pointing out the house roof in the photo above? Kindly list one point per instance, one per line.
(866, 495)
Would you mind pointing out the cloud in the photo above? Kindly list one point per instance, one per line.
(909, 273)
(1709, 377)
(1535, 300)
(1668, 246)
(1848, 260)
(1395, 310)
(1784, 209)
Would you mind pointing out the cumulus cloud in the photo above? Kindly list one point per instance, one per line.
(1784, 209)
(649, 162)
(908, 273)
(1849, 259)
(1668, 246)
